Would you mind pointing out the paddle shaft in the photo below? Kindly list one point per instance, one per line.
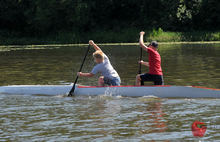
(73, 88)
(142, 82)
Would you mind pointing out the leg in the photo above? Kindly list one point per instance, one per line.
(101, 81)
(138, 80)
(158, 80)
(116, 81)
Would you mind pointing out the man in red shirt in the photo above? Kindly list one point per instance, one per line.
(155, 71)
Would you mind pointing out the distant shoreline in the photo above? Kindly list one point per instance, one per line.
(39, 45)
(131, 37)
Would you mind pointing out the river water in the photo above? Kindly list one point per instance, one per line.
(104, 117)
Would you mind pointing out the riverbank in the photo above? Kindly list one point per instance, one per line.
(130, 36)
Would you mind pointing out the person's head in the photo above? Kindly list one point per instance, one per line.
(153, 45)
(98, 56)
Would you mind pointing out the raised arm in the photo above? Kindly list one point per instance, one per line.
(141, 41)
(91, 42)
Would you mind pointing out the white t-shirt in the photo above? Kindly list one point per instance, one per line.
(105, 68)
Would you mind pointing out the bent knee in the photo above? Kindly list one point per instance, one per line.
(138, 77)
(101, 78)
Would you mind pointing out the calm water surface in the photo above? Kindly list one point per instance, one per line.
(104, 117)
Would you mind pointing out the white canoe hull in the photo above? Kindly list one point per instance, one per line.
(36, 89)
(130, 91)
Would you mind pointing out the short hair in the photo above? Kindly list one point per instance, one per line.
(98, 54)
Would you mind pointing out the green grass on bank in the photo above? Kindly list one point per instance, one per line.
(126, 36)
(196, 36)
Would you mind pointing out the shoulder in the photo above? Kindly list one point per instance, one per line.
(150, 50)
(153, 52)
(96, 68)
(105, 56)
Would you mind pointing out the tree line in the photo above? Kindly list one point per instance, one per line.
(40, 18)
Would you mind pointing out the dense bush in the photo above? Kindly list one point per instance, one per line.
(46, 18)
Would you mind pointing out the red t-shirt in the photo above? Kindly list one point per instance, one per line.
(154, 62)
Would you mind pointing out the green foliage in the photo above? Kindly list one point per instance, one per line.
(156, 32)
(109, 20)
(183, 36)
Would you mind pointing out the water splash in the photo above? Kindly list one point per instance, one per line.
(150, 98)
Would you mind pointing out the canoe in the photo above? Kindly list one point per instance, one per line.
(129, 91)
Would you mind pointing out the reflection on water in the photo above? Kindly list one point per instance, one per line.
(101, 118)
(104, 117)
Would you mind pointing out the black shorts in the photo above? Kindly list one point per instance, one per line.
(157, 79)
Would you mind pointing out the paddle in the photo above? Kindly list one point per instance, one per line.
(73, 88)
(142, 82)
